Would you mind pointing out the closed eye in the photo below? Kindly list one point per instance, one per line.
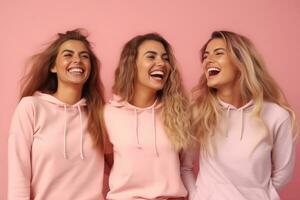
(166, 58)
(67, 55)
(151, 56)
(87, 56)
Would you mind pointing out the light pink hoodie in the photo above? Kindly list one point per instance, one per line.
(251, 162)
(146, 164)
(50, 154)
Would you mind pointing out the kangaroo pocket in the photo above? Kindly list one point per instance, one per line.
(230, 192)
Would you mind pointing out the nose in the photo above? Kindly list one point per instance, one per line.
(208, 59)
(160, 62)
(76, 58)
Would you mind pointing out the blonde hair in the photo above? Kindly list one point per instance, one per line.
(175, 104)
(255, 83)
(40, 78)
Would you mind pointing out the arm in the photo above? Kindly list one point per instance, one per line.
(19, 152)
(187, 158)
(283, 155)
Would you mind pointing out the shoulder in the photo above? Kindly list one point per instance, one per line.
(25, 111)
(108, 108)
(27, 103)
(111, 110)
(274, 114)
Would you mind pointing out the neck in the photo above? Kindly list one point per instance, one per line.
(231, 96)
(143, 99)
(69, 95)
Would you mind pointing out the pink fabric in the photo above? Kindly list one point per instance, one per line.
(146, 165)
(48, 158)
(251, 161)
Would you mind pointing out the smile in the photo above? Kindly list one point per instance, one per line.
(76, 70)
(212, 71)
(157, 74)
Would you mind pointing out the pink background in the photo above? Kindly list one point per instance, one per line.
(273, 25)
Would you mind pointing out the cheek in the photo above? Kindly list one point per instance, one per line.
(233, 70)
(142, 70)
(88, 65)
(62, 62)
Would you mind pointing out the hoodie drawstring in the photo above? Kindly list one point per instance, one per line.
(227, 118)
(65, 133)
(241, 122)
(81, 133)
(136, 128)
(154, 130)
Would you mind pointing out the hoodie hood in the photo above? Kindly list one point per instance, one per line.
(117, 101)
(81, 103)
(228, 108)
(50, 98)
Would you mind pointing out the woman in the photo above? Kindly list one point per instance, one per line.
(244, 125)
(57, 134)
(147, 122)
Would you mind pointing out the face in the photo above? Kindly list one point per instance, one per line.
(72, 64)
(153, 66)
(220, 71)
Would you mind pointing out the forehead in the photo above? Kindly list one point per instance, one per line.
(75, 45)
(151, 45)
(215, 43)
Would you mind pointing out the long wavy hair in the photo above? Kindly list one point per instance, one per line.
(255, 83)
(175, 116)
(39, 78)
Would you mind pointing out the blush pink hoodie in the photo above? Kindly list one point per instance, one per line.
(146, 165)
(251, 161)
(50, 153)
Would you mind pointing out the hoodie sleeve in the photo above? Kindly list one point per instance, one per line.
(187, 158)
(283, 154)
(19, 151)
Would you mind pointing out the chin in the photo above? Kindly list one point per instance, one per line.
(212, 85)
(159, 87)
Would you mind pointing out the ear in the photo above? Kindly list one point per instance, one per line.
(53, 69)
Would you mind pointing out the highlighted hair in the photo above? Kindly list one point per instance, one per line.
(255, 83)
(175, 116)
(39, 78)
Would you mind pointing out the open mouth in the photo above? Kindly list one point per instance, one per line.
(212, 71)
(75, 70)
(157, 74)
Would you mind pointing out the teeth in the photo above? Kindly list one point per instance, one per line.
(157, 73)
(76, 69)
(213, 69)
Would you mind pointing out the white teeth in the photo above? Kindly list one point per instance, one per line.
(157, 74)
(76, 69)
(213, 69)
(161, 73)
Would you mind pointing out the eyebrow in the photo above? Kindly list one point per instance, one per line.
(217, 49)
(71, 51)
(153, 52)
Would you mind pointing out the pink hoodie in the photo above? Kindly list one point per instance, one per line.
(146, 165)
(251, 162)
(50, 154)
